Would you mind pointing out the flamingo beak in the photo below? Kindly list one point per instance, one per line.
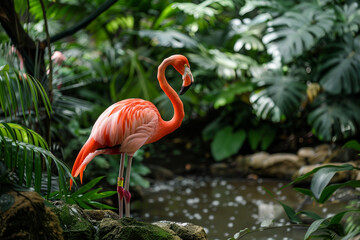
(188, 80)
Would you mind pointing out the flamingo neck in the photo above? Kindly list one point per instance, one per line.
(175, 122)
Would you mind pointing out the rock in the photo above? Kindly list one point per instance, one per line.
(160, 173)
(27, 218)
(74, 222)
(322, 152)
(129, 228)
(219, 169)
(280, 165)
(280, 158)
(97, 215)
(305, 154)
(183, 231)
(257, 159)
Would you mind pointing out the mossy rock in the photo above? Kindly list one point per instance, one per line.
(73, 222)
(27, 217)
(129, 228)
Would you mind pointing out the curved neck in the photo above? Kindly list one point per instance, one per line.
(179, 114)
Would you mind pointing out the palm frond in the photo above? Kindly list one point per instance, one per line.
(293, 33)
(278, 96)
(27, 151)
(20, 94)
(339, 67)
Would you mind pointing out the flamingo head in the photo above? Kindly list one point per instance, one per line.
(181, 64)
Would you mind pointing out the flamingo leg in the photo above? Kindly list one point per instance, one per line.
(120, 185)
(126, 190)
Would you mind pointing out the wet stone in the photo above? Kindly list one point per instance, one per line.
(184, 231)
(129, 228)
(74, 223)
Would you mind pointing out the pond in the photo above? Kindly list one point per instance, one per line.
(225, 206)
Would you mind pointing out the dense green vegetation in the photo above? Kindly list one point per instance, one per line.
(262, 68)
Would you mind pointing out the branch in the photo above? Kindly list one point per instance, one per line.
(31, 52)
(82, 24)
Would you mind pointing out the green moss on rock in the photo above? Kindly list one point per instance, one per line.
(129, 228)
(74, 225)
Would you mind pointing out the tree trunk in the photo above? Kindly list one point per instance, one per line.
(32, 52)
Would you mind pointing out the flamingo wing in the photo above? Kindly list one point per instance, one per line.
(122, 128)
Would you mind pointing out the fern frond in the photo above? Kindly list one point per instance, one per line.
(25, 150)
(20, 94)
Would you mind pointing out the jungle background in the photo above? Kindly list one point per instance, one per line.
(269, 76)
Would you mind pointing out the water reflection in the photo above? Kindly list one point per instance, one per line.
(222, 207)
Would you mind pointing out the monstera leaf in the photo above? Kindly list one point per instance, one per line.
(335, 118)
(339, 68)
(295, 32)
(349, 16)
(169, 38)
(226, 64)
(279, 96)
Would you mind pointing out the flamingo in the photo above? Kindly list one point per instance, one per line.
(127, 125)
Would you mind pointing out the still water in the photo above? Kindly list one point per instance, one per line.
(224, 206)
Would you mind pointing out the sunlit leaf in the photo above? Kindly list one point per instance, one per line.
(298, 31)
(314, 227)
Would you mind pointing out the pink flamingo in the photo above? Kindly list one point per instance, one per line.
(127, 125)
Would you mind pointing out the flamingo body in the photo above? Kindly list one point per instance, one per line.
(126, 126)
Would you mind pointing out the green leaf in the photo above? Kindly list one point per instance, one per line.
(290, 212)
(334, 117)
(313, 227)
(20, 91)
(298, 30)
(304, 191)
(329, 190)
(307, 175)
(353, 144)
(168, 38)
(338, 68)
(29, 157)
(310, 214)
(278, 96)
(323, 176)
(87, 186)
(85, 195)
(227, 94)
(226, 142)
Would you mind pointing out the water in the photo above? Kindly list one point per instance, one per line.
(224, 207)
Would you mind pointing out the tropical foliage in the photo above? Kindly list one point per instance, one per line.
(262, 69)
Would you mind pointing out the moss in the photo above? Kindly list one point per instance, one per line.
(129, 228)
(74, 225)
(28, 218)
